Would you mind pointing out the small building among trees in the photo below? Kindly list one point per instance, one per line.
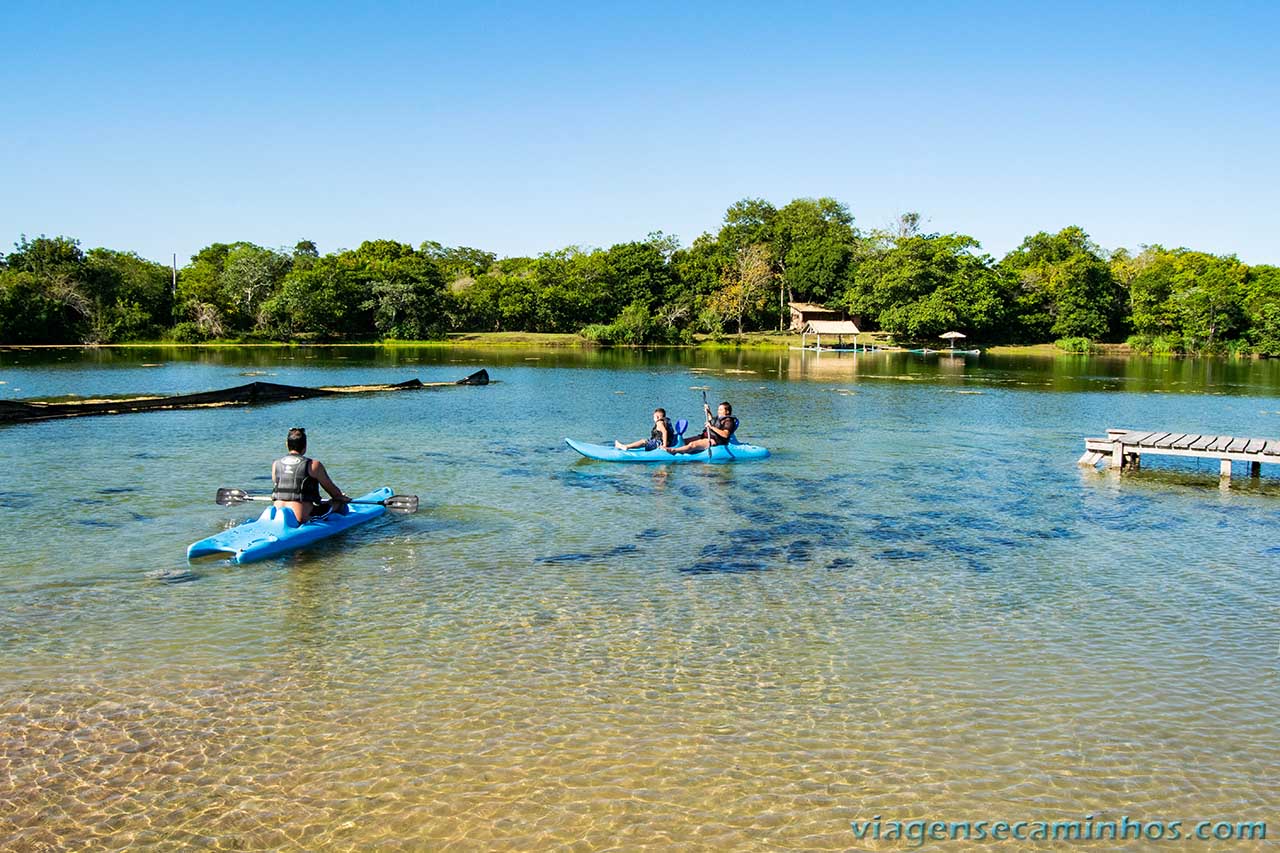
(803, 312)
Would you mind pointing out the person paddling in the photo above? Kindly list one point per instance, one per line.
(662, 434)
(296, 481)
(719, 431)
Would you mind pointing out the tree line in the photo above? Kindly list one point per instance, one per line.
(1053, 287)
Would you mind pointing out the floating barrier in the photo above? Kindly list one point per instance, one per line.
(14, 411)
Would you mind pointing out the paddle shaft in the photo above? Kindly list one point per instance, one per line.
(269, 498)
(706, 410)
(395, 503)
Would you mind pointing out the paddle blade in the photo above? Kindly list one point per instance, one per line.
(402, 503)
(231, 497)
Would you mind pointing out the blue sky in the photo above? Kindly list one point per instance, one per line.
(522, 128)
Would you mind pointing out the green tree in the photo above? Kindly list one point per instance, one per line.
(319, 303)
(402, 291)
(1207, 299)
(395, 308)
(458, 262)
(697, 270)
(1262, 308)
(27, 315)
(46, 256)
(917, 287)
(1191, 300)
(476, 304)
(408, 302)
(1067, 289)
(203, 297)
(748, 222)
(133, 297)
(747, 289)
(518, 304)
(305, 254)
(637, 272)
(61, 273)
(815, 241)
(1148, 277)
(250, 275)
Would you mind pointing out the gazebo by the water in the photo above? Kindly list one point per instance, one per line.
(839, 328)
(951, 338)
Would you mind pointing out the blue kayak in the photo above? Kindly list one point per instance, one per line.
(734, 452)
(277, 531)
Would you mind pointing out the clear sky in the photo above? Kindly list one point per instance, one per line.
(526, 127)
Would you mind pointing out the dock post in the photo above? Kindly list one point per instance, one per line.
(1224, 469)
(1117, 454)
(1255, 469)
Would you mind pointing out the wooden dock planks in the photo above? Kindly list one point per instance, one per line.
(1124, 448)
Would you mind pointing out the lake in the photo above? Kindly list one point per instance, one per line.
(918, 608)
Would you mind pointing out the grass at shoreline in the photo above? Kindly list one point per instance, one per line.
(750, 340)
(569, 340)
(486, 339)
(1052, 349)
(762, 340)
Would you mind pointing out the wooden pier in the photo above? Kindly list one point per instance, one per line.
(1124, 448)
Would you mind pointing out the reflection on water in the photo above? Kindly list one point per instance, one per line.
(51, 372)
(917, 608)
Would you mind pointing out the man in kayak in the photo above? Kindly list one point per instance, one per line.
(662, 435)
(719, 430)
(296, 481)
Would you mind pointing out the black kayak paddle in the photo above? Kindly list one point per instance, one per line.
(395, 503)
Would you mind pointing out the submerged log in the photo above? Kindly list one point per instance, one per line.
(16, 411)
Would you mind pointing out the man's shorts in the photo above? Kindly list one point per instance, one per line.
(325, 507)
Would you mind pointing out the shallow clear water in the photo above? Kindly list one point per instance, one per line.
(918, 608)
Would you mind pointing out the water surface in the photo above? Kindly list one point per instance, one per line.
(918, 608)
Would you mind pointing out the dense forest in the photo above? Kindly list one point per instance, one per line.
(1054, 287)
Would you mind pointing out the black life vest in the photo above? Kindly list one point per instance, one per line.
(728, 422)
(656, 434)
(293, 480)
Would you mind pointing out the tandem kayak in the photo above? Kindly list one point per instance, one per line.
(277, 531)
(731, 453)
